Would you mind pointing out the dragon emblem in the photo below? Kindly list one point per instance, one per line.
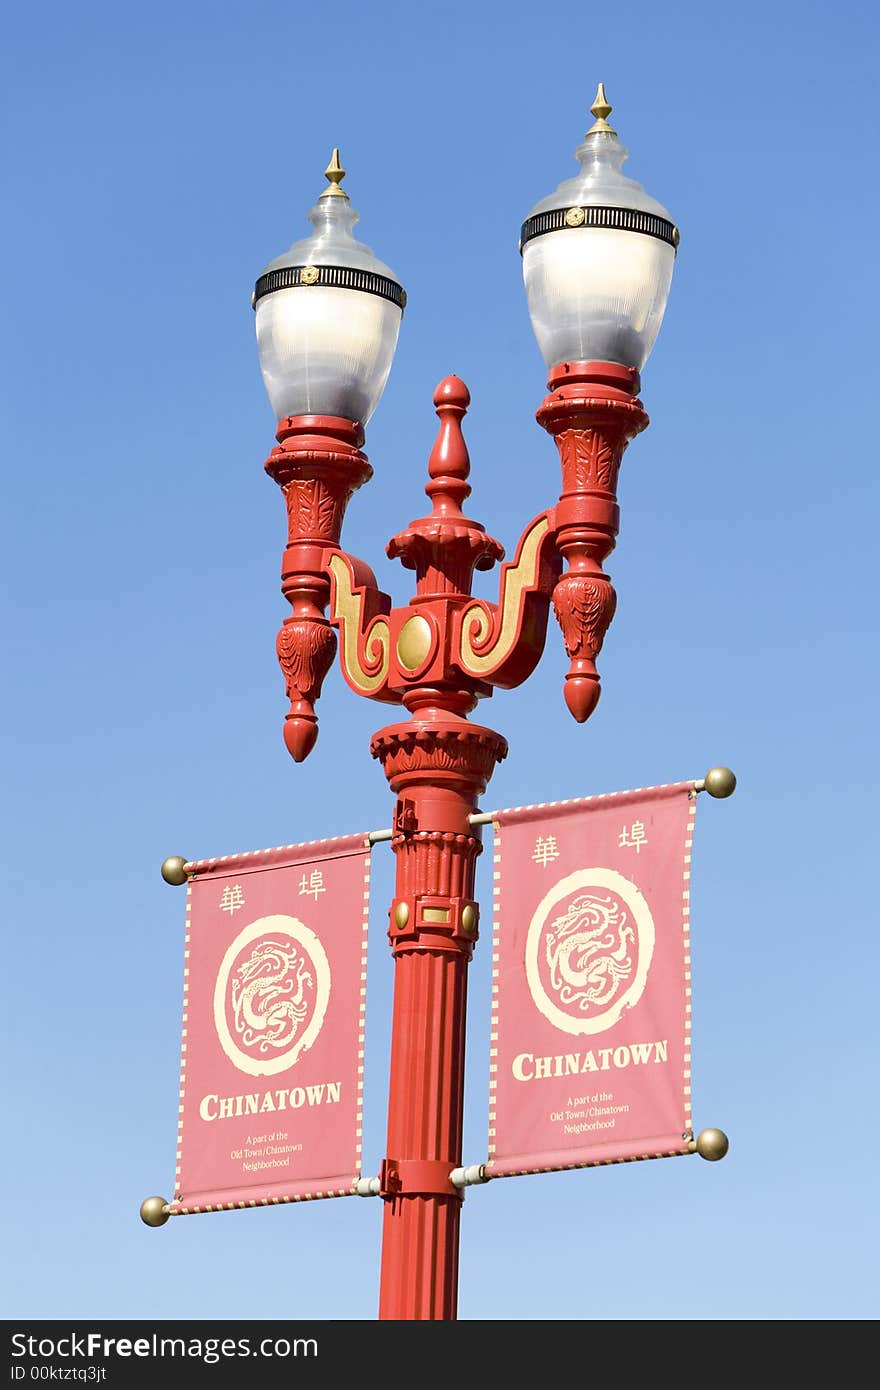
(269, 996)
(589, 951)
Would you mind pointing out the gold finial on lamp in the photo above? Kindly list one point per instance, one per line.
(334, 174)
(601, 110)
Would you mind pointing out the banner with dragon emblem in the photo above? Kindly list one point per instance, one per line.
(590, 1039)
(271, 1073)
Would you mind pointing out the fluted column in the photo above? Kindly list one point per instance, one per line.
(438, 765)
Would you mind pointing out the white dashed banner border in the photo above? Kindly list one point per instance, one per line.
(241, 863)
(515, 812)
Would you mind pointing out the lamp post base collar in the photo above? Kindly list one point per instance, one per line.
(608, 375)
(448, 750)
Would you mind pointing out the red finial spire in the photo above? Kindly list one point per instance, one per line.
(449, 464)
(445, 547)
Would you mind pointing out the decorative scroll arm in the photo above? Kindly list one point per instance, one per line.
(359, 610)
(502, 643)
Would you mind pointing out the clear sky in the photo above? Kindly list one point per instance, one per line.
(154, 159)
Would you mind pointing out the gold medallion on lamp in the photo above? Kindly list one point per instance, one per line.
(414, 642)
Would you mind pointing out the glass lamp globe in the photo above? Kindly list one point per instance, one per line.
(597, 258)
(328, 315)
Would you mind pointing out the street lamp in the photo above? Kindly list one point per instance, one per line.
(597, 262)
(596, 292)
(328, 352)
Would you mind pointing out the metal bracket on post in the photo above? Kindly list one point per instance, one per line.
(719, 782)
(422, 1177)
(405, 819)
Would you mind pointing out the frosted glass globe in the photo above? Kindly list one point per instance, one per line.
(598, 256)
(328, 316)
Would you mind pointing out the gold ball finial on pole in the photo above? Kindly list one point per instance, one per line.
(601, 109)
(174, 870)
(720, 781)
(712, 1144)
(334, 174)
(153, 1211)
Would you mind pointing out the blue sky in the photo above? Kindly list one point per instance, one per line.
(155, 158)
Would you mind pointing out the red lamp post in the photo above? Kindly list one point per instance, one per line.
(597, 259)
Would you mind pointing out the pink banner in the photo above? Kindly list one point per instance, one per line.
(271, 1071)
(591, 972)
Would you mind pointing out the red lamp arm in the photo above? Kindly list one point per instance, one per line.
(446, 648)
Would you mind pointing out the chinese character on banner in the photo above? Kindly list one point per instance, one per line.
(633, 836)
(232, 898)
(590, 1047)
(546, 850)
(273, 1026)
(313, 884)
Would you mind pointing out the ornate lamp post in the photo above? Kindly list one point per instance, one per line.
(597, 261)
